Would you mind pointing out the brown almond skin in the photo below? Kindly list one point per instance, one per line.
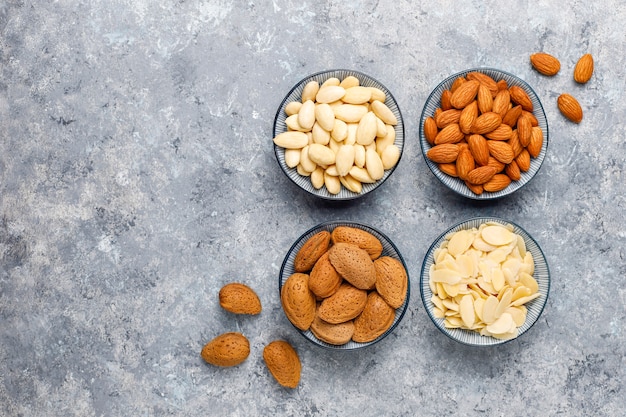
(486, 122)
(324, 280)
(484, 79)
(225, 350)
(451, 133)
(523, 160)
(464, 94)
(442, 154)
(376, 318)
(497, 183)
(311, 251)
(298, 301)
(475, 188)
(448, 169)
(362, 238)
(464, 163)
(519, 96)
(479, 149)
(239, 299)
(501, 151)
(391, 280)
(430, 129)
(513, 171)
(545, 64)
(333, 334)
(511, 116)
(570, 108)
(354, 265)
(481, 175)
(345, 304)
(283, 362)
(536, 142)
(468, 117)
(583, 69)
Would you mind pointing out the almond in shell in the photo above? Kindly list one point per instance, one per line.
(374, 320)
(283, 362)
(353, 264)
(333, 334)
(324, 279)
(311, 251)
(359, 237)
(391, 280)
(239, 299)
(298, 301)
(225, 350)
(345, 304)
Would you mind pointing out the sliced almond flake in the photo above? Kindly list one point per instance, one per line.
(519, 315)
(451, 290)
(530, 282)
(489, 309)
(437, 302)
(498, 255)
(509, 278)
(512, 264)
(507, 336)
(502, 325)
(482, 246)
(479, 303)
(448, 325)
(460, 242)
(447, 263)
(504, 302)
(451, 313)
(440, 291)
(497, 235)
(456, 321)
(520, 292)
(524, 300)
(450, 304)
(466, 308)
(486, 286)
(447, 276)
(528, 260)
(521, 246)
(465, 265)
(478, 290)
(438, 313)
(497, 279)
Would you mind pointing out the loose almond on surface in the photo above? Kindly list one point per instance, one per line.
(583, 69)
(570, 108)
(545, 63)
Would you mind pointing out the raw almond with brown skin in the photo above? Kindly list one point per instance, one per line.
(524, 129)
(430, 129)
(479, 149)
(545, 63)
(468, 117)
(486, 122)
(448, 169)
(464, 94)
(519, 96)
(515, 143)
(583, 69)
(391, 280)
(501, 102)
(239, 299)
(353, 264)
(536, 142)
(324, 280)
(502, 85)
(570, 108)
(511, 116)
(374, 320)
(523, 160)
(502, 132)
(464, 163)
(311, 251)
(449, 134)
(447, 117)
(456, 83)
(484, 99)
(475, 188)
(283, 362)
(345, 304)
(495, 164)
(445, 100)
(225, 350)
(442, 154)
(531, 117)
(298, 301)
(497, 183)
(481, 175)
(513, 171)
(484, 79)
(501, 151)
(359, 237)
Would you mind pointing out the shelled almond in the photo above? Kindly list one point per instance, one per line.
(491, 120)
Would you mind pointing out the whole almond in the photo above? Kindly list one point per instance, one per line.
(479, 149)
(531, 117)
(456, 83)
(501, 102)
(583, 69)
(298, 301)
(449, 134)
(321, 154)
(306, 115)
(524, 129)
(239, 299)
(513, 171)
(374, 320)
(448, 169)
(310, 90)
(481, 175)
(325, 116)
(344, 305)
(445, 100)
(383, 112)
(334, 334)
(283, 362)
(311, 251)
(468, 117)
(464, 163)
(486, 123)
(523, 160)
(324, 279)
(484, 99)
(227, 349)
(511, 116)
(515, 143)
(519, 96)
(391, 280)
(359, 237)
(501, 151)
(291, 140)
(570, 108)
(366, 129)
(442, 154)
(350, 113)
(475, 188)
(447, 117)
(545, 63)
(357, 95)
(484, 79)
(495, 164)
(464, 94)
(502, 132)
(329, 93)
(497, 183)
(430, 129)
(353, 264)
(536, 142)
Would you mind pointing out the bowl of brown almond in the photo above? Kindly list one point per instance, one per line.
(344, 285)
(484, 281)
(338, 134)
(483, 133)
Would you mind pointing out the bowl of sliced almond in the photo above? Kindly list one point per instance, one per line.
(484, 281)
(483, 133)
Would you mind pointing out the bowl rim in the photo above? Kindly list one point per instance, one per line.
(345, 194)
(536, 163)
(462, 225)
(331, 225)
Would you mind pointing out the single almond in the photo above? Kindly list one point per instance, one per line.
(511, 116)
(486, 123)
(519, 96)
(298, 301)
(227, 349)
(497, 183)
(484, 79)
(515, 143)
(283, 362)
(583, 69)
(524, 129)
(501, 151)
(468, 117)
(479, 149)
(570, 108)
(449, 134)
(442, 154)
(239, 299)
(495, 164)
(475, 188)
(376, 318)
(430, 129)
(513, 171)
(464, 163)
(545, 63)
(448, 169)
(536, 142)
(456, 83)
(481, 175)
(311, 251)
(362, 238)
(501, 102)
(484, 99)
(523, 160)
(502, 132)
(344, 305)
(448, 117)
(464, 94)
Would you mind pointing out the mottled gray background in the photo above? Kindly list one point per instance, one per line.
(137, 177)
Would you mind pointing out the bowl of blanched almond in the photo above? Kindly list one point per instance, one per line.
(338, 134)
(484, 281)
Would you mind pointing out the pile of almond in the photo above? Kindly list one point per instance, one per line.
(343, 288)
(484, 132)
(340, 134)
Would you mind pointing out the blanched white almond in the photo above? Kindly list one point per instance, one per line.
(292, 107)
(306, 115)
(350, 113)
(344, 160)
(366, 129)
(351, 184)
(310, 90)
(359, 156)
(350, 81)
(293, 123)
(291, 140)
(317, 178)
(292, 157)
(387, 140)
(320, 135)
(325, 116)
(357, 95)
(334, 145)
(333, 185)
(351, 136)
(373, 164)
(377, 94)
(330, 93)
(384, 113)
(340, 130)
(321, 155)
(302, 171)
(361, 175)
(332, 170)
(332, 81)
(305, 161)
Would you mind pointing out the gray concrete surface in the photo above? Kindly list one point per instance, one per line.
(137, 177)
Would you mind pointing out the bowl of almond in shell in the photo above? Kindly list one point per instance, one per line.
(344, 285)
(483, 133)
